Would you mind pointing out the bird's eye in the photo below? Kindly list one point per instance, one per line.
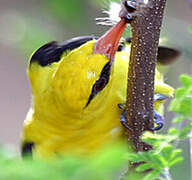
(100, 84)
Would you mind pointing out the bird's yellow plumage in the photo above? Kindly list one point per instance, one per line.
(59, 122)
(75, 97)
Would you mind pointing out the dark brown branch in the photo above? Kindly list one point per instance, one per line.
(140, 91)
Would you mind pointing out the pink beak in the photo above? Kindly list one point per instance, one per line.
(109, 42)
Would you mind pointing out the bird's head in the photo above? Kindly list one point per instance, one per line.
(84, 73)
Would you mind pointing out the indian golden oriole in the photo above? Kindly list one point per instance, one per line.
(76, 88)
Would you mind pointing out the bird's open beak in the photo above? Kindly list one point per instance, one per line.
(109, 42)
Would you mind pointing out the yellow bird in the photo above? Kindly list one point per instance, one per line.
(76, 88)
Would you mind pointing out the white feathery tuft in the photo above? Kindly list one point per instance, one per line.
(114, 10)
(113, 15)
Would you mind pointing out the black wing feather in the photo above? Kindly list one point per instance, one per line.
(51, 52)
(167, 55)
(27, 149)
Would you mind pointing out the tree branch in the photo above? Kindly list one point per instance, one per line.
(140, 91)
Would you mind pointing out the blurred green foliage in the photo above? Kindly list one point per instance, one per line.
(65, 11)
(109, 164)
(106, 166)
(164, 154)
(56, 20)
(190, 28)
(34, 38)
(47, 21)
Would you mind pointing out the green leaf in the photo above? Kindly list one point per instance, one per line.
(167, 152)
(151, 138)
(145, 156)
(180, 92)
(186, 80)
(159, 160)
(144, 167)
(154, 174)
(183, 107)
(175, 157)
(176, 161)
(114, 156)
(173, 131)
(175, 153)
(175, 105)
(132, 157)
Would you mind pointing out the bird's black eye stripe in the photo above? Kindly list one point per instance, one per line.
(52, 51)
(100, 83)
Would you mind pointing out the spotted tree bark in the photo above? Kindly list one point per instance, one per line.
(145, 39)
